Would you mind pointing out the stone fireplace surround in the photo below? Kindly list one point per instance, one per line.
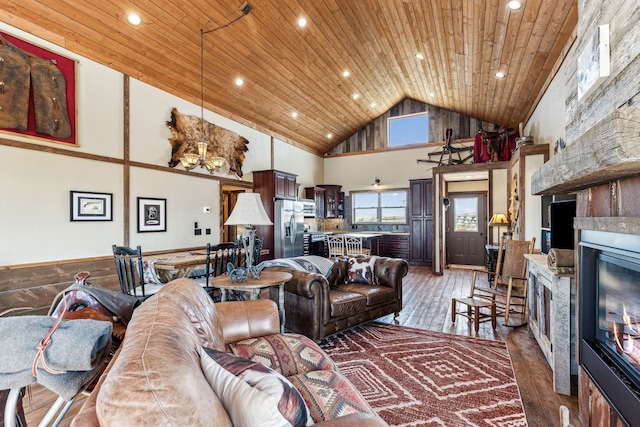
(602, 167)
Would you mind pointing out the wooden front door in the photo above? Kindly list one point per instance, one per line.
(466, 229)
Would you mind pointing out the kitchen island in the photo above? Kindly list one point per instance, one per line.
(394, 245)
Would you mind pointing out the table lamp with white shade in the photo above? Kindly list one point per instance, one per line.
(249, 211)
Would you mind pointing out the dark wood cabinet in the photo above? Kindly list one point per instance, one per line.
(285, 185)
(329, 200)
(317, 195)
(391, 245)
(333, 201)
(272, 185)
(398, 246)
(421, 222)
(378, 246)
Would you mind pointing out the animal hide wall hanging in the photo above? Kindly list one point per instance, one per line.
(50, 112)
(224, 143)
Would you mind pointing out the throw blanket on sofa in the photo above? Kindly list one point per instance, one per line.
(310, 263)
(77, 347)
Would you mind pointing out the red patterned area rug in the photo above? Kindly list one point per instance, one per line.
(414, 377)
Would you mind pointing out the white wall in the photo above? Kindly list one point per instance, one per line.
(394, 168)
(308, 167)
(35, 207)
(36, 185)
(547, 123)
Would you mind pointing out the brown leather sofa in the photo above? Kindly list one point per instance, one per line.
(156, 377)
(316, 306)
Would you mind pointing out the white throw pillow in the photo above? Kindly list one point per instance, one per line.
(253, 394)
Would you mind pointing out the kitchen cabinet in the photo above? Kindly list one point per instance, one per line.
(398, 246)
(378, 246)
(333, 201)
(395, 245)
(272, 184)
(420, 222)
(285, 186)
(317, 194)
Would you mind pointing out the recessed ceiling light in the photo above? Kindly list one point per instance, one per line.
(294, 114)
(346, 73)
(302, 22)
(500, 75)
(134, 19)
(419, 55)
(514, 5)
(329, 136)
(374, 105)
(355, 96)
(239, 82)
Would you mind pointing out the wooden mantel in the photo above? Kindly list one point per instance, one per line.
(608, 151)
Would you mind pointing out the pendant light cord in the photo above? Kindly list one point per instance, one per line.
(246, 9)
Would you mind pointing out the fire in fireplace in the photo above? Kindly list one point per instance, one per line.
(609, 323)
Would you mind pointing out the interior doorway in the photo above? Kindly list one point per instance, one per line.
(228, 197)
(466, 228)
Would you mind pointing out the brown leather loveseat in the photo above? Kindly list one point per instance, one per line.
(161, 376)
(318, 306)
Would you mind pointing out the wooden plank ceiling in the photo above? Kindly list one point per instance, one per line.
(287, 68)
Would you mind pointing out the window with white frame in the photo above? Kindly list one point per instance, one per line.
(379, 207)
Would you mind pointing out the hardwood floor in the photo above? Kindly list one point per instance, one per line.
(427, 305)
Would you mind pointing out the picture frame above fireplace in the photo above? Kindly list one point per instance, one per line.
(593, 62)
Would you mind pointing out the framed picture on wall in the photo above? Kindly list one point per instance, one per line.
(593, 62)
(152, 214)
(91, 206)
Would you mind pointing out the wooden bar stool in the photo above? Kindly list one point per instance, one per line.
(474, 311)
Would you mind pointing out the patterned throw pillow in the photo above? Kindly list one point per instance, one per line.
(251, 393)
(288, 354)
(360, 270)
(329, 395)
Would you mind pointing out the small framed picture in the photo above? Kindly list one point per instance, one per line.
(152, 214)
(91, 206)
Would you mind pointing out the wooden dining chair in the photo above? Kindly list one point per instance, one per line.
(129, 266)
(216, 261)
(353, 246)
(336, 245)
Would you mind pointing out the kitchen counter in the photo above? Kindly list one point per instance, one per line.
(366, 234)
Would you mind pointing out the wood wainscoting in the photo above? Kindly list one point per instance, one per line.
(36, 285)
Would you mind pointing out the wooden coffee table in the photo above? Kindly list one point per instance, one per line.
(255, 286)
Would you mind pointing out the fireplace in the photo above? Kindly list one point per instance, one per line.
(610, 317)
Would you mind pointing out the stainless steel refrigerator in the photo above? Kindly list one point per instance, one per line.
(288, 229)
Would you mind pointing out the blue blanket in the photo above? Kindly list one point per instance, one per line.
(310, 263)
(78, 348)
